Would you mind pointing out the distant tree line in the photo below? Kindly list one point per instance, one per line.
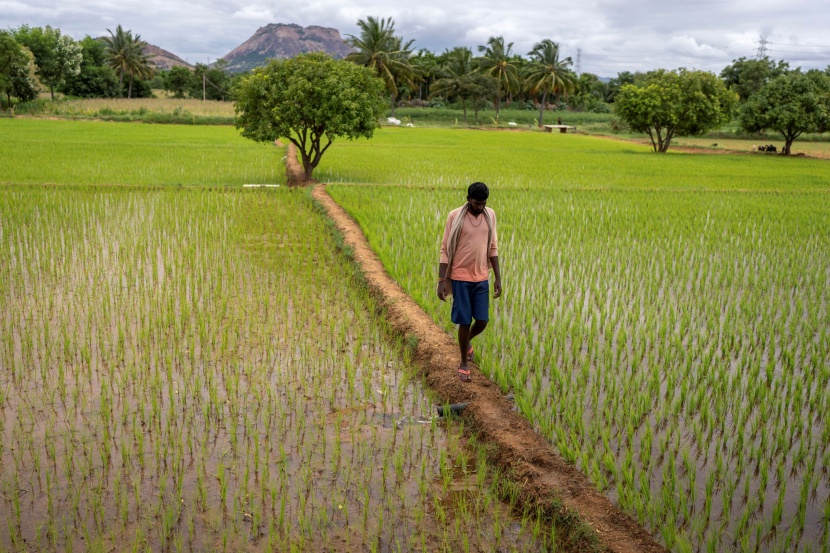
(765, 94)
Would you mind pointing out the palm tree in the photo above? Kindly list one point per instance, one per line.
(379, 49)
(497, 63)
(126, 55)
(547, 73)
(455, 76)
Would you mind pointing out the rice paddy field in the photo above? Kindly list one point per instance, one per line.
(664, 320)
(198, 368)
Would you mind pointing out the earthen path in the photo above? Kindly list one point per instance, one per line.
(534, 465)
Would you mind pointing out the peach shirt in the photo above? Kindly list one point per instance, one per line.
(471, 262)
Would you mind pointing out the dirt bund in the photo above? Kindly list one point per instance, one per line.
(533, 464)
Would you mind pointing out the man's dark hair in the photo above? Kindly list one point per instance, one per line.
(478, 191)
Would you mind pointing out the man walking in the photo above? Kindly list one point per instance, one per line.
(468, 249)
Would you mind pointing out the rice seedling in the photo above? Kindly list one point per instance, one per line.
(663, 323)
(200, 369)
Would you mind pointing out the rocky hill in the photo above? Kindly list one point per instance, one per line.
(163, 60)
(277, 40)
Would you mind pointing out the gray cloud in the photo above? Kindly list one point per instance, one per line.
(613, 35)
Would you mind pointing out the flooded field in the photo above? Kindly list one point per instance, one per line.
(187, 370)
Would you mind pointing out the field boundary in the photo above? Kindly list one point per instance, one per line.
(546, 482)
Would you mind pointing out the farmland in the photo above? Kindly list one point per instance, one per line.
(198, 368)
(664, 321)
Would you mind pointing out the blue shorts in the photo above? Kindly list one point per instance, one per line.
(470, 300)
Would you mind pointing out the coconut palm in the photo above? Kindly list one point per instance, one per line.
(387, 55)
(126, 56)
(547, 73)
(497, 63)
(455, 80)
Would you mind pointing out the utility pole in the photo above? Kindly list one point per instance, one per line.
(762, 47)
(204, 76)
(578, 61)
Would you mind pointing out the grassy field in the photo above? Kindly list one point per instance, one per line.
(90, 152)
(664, 320)
(518, 160)
(199, 369)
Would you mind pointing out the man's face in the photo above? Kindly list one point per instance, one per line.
(476, 206)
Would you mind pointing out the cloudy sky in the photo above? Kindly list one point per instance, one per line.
(609, 35)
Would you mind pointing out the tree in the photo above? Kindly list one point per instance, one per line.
(497, 63)
(748, 76)
(673, 103)
(57, 56)
(426, 67)
(547, 73)
(210, 83)
(127, 57)
(95, 78)
(17, 70)
(455, 77)
(178, 81)
(310, 99)
(387, 55)
(791, 104)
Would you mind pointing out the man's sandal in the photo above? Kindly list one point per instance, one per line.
(470, 355)
(464, 375)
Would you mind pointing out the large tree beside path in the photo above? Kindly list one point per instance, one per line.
(675, 103)
(791, 105)
(310, 99)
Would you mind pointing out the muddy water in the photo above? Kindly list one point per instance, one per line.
(198, 371)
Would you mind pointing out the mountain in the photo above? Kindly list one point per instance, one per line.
(163, 60)
(277, 40)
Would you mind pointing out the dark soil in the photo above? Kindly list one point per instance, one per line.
(544, 479)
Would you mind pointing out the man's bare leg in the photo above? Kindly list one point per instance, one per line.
(465, 334)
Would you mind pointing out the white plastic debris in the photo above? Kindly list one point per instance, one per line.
(393, 121)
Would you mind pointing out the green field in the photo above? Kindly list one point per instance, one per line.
(91, 152)
(200, 369)
(664, 320)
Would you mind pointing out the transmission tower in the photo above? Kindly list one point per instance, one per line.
(762, 47)
(578, 61)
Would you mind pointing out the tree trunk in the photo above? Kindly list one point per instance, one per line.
(130, 93)
(52, 90)
(464, 103)
(542, 108)
(392, 103)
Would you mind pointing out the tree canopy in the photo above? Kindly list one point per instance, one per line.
(17, 70)
(127, 57)
(310, 100)
(548, 74)
(791, 104)
(385, 53)
(56, 56)
(680, 102)
(496, 61)
(748, 76)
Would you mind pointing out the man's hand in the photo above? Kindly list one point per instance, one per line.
(497, 288)
(442, 290)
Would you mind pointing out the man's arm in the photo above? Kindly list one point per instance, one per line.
(442, 282)
(494, 261)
